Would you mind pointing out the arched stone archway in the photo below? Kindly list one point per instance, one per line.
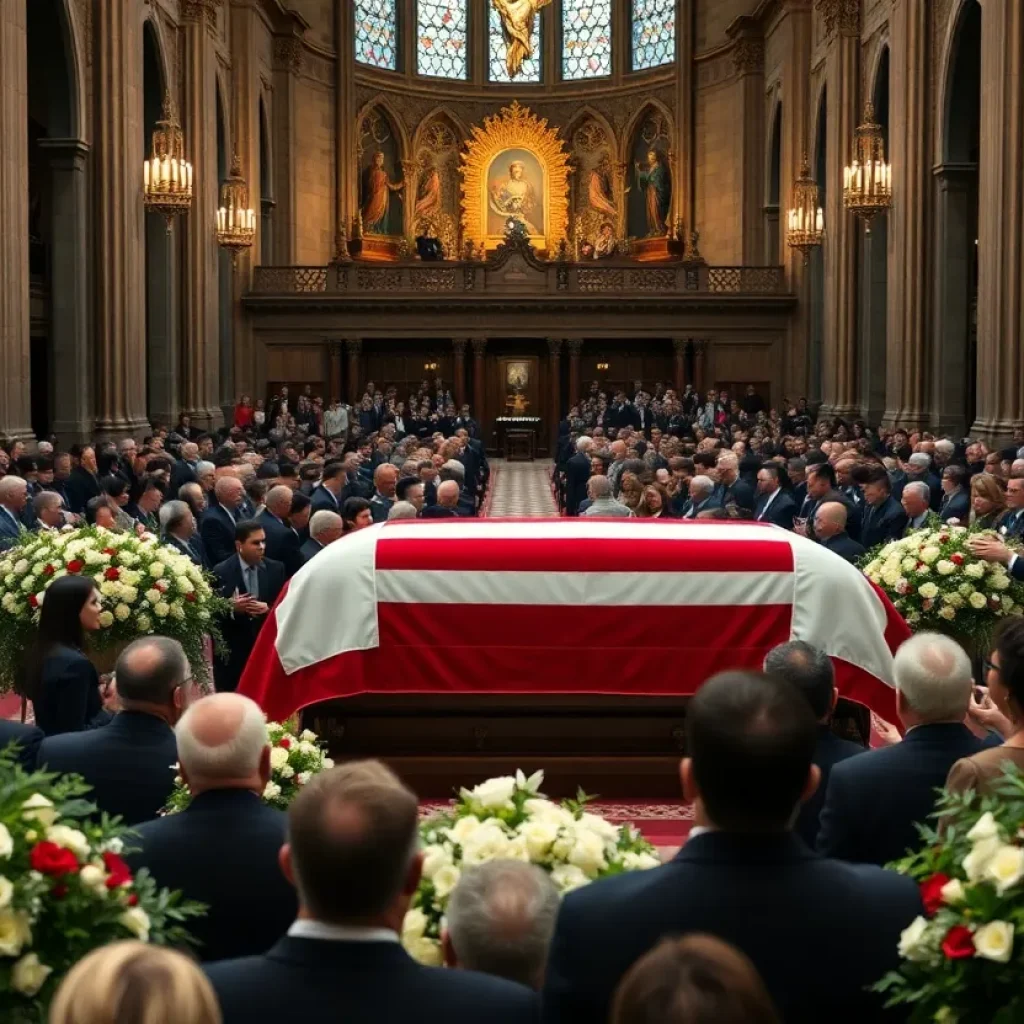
(817, 267)
(956, 183)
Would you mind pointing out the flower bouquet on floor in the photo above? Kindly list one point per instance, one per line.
(509, 818)
(294, 760)
(937, 584)
(962, 961)
(65, 890)
(145, 587)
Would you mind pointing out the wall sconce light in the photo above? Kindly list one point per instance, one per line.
(602, 366)
(430, 366)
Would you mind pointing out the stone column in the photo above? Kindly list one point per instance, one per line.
(873, 319)
(839, 357)
(15, 411)
(909, 219)
(345, 169)
(288, 56)
(748, 59)
(1001, 222)
(575, 348)
(684, 151)
(479, 394)
(555, 382)
(700, 352)
(201, 386)
(354, 347)
(120, 329)
(69, 293)
(459, 367)
(334, 352)
(679, 344)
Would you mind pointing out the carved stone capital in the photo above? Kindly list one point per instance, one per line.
(354, 346)
(700, 349)
(479, 347)
(555, 347)
(459, 347)
(679, 344)
(200, 10)
(289, 53)
(843, 15)
(748, 55)
(575, 347)
(334, 349)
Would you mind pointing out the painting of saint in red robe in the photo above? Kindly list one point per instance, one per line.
(377, 209)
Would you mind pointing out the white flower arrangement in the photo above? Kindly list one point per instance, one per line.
(509, 818)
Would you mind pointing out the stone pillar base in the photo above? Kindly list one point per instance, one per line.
(114, 430)
(994, 431)
(205, 418)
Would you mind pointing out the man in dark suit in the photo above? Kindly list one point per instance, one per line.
(221, 519)
(773, 504)
(742, 876)
(577, 473)
(447, 502)
(796, 470)
(325, 528)
(83, 484)
(184, 471)
(882, 517)
(326, 495)
(1012, 525)
(130, 763)
(252, 584)
(13, 501)
(956, 501)
(821, 489)
(222, 849)
(26, 739)
(810, 671)
(916, 499)
(350, 833)
(830, 530)
(732, 489)
(178, 527)
(282, 541)
(873, 802)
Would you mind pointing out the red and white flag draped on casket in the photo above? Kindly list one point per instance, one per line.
(565, 606)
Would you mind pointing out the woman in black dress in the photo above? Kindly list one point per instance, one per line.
(59, 679)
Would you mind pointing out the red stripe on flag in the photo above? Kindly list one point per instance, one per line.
(577, 554)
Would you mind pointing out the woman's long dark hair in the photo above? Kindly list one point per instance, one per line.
(59, 624)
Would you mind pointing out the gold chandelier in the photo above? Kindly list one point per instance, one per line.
(236, 222)
(867, 182)
(805, 229)
(167, 175)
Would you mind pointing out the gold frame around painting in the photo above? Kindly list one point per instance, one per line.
(515, 128)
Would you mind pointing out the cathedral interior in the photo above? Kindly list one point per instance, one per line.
(201, 199)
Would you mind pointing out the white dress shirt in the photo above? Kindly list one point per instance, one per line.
(324, 932)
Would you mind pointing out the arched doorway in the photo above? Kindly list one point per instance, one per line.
(773, 244)
(874, 277)
(817, 266)
(58, 262)
(956, 178)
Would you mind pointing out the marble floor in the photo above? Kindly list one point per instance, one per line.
(521, 489)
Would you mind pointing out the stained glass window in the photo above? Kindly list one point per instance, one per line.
(654, 33)
(530, 71)
(586, 38)
(377, 33)
(441, 38)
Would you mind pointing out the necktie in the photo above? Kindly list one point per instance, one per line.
(252, 582)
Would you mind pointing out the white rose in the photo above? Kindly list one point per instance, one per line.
(425, 951)
(6, 843)
(994, 941)
(908, 564)
(414, 925)
(6, 892)
(891, 577)
(568, 877)
(278, 757)
(1000, 582)
(545, 810)
(161, 609)
(21, 567)
(975, 570)
(977, 861)
(71, 839)
(94, 878)
(495, 794)
(463, 828)
(588, 853)
(914, 944)
(29, 974)
(488, 842)
(136, 920)
(603, 829)
(177, 611)
(303, 777)
(947, 612)
(435, 857)
(328, 764)
(985, 827)
(308, 748)
(106, 620)
(930, 554)
(108, 588)
(122, 613)
(271, 791)
(977, 600)
(38, 808)
(953, 892)
(928, 591)
(184, 584)
(286, 771)
(14, 931)
(539, 836)
(156, 570)
(445, 880)
(1006, 868)
(153, 596)
(945, 567)
(640, 861)
(144, 622)
(307, 736)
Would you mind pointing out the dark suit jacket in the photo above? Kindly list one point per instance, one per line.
(577, 473)
(1017, 569)
(439, 512)
(69, 697)
(80, 488)
(956, 506)
(222, 851)
(282, 543)
(195, 550)
(10, 527)
(310, 549)
(767, 895)
(830, 750)
(323, 500)
(27, 738)
(129, 763)
(740, 494)
(853, 513)
(844, 547)
(361, 983)
(780, 512)
(873, 802)
(883, 523)
(241, 631)
(218, 534)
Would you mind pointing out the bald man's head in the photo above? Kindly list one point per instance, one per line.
(830, 520)
(229, 491)
(448, 494)
(279, 500)
(151, 674)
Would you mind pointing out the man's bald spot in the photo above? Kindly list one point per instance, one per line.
(834, 512)
(449, 490)
(227, 488)
(216, 719)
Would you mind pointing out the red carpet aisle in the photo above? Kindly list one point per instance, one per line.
(521, 489)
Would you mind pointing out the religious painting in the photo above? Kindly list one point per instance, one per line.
(515, 170)
(515, 191)
(597, 193)
(381, 183)
(519, 386)
(435, 212)
(650, 195)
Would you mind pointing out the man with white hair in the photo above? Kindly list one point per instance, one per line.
(178, 527)
(218, 527)
(206, 475)
(874, 800)
(577, 473)
(282, 541)
(916, 501)
(731, 490)
(702, 491)
(944, 452)
(447, 503)
(325, 527)
(599, 490)
(403, 510)
(222, 849)
(919, 468)
(13, 498)
(501, 916)
(185, 468)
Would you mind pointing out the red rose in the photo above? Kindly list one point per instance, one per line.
(60, 891)
(109, 551)
(931, 893)
(190, 597)
(160, 585)
(33, 600)
(133, 900)
(48, 570)
(958, 943)
(76, 565)
(119, 872)
(957, 559)
(50, 859)
(285, 743)
(112, 573)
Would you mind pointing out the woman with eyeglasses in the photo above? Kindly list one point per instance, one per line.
(1001, 707)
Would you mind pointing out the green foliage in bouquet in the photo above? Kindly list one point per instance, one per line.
(294, 760)
(509, 818)
(65, 890)
(963, 961)
(936, 584)
(145, 587)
